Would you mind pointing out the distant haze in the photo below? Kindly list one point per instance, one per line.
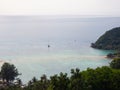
(54, 27)
(60, 7)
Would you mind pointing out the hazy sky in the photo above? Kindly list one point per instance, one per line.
(60, 7)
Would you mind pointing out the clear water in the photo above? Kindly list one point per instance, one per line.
(24, 42)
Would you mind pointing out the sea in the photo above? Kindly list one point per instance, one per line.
(39, 45)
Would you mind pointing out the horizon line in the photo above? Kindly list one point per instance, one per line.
(59, 15)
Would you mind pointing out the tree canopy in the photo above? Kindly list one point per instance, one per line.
(101, 78)
(8, 72)
(115, 63)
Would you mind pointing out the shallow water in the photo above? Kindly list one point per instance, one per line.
(24, 42)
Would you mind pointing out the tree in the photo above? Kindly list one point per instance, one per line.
(34, 80)
(115, 63)
(59, 82)
(35, 84)
(75, 80)
(8, 72)
(19, 82)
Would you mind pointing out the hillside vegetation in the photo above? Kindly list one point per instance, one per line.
(101, 78)
(109, 41)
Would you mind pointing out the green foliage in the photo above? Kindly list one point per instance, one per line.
(98, 79)
(101, 78)
(104, 78)
(115, 80)
(8, 72)
(75, 80)
(59, 82)
(115, 63)
(35, 84)
(109, 41)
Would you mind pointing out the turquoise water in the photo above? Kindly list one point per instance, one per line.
(24, 42)
(38, 59)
